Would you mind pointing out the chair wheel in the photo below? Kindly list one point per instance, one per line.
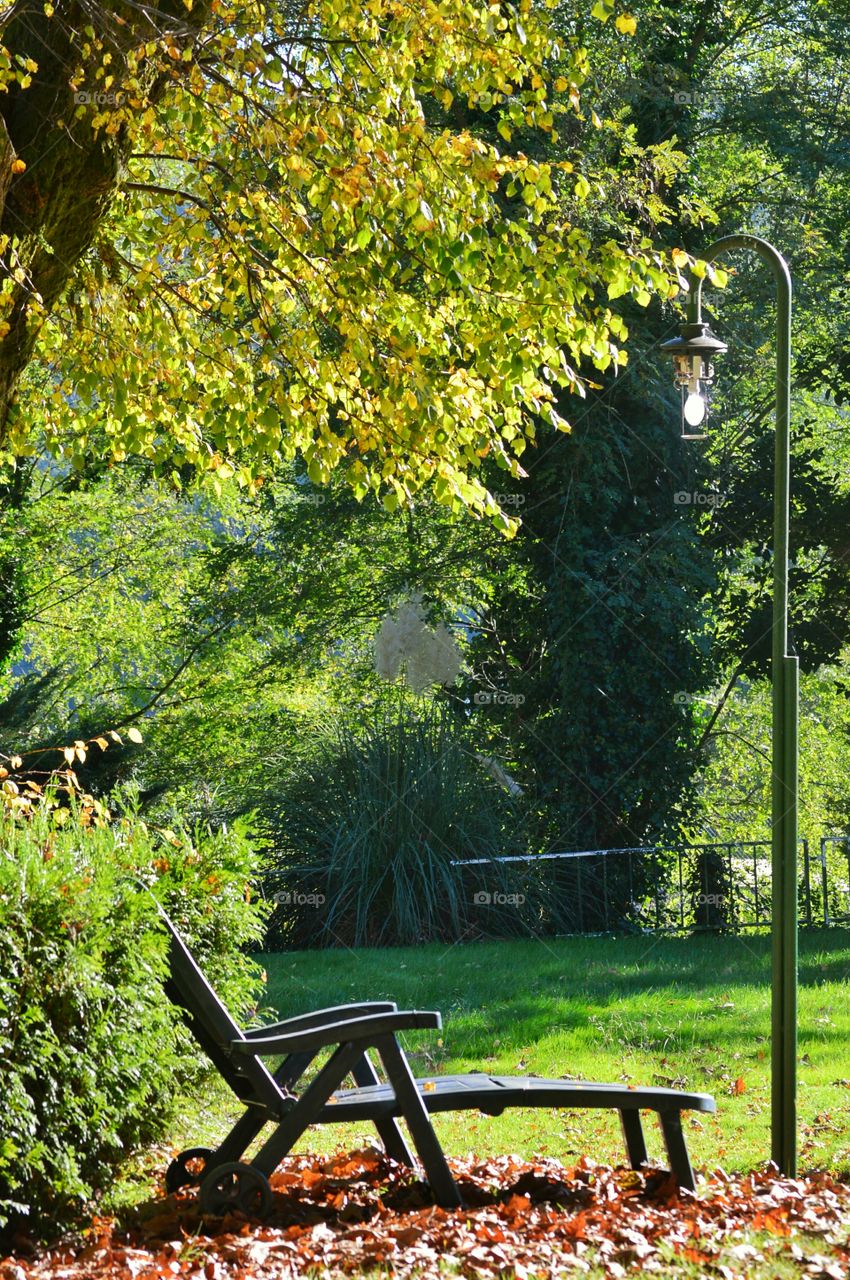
(187, 1169)
(238, 1187)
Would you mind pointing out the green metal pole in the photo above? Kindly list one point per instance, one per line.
(784, 772)
(784, 1133)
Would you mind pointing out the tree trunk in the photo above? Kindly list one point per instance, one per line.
(57, 180)
(52, 210)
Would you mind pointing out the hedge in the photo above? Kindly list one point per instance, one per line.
(93, 1057)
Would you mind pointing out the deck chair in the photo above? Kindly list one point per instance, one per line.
(355, 1032)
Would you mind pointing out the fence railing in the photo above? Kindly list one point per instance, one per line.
(717, 886)
(723, 885)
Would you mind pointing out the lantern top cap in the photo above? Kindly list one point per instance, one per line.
(695, 339)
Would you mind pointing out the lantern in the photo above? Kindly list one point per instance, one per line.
(692, 354)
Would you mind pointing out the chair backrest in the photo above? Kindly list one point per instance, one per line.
(214, 1029)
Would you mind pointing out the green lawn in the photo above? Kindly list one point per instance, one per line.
(689, 1012)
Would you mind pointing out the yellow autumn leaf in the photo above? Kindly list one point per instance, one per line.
(626, 24)
(133, 734)
(18, 166)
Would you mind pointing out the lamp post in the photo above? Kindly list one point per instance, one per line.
(692, 353)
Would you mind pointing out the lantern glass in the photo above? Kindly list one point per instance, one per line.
(694, 409)
(693, 375)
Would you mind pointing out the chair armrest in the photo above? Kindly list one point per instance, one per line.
(332, 1033)
(306, 1021)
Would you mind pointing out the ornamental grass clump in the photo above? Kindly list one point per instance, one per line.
(367, 839)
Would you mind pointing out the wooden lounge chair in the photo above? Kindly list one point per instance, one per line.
(354, 1032)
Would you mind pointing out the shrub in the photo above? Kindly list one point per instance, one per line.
(92, 1055)
(367, 838)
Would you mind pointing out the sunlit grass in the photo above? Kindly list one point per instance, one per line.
(685, 1012)
(682, 1012)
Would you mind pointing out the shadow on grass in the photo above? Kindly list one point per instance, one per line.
(654, 995)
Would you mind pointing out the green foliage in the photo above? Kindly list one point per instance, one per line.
(381, 814)
(91, 1052)
(602, 639)
(295, 249)
(735, 779)
(113, 569)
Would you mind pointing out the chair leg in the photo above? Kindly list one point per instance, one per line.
(388, 1128)
(251, 1123)
(633, 1134)
(415, 1113)
(307, 1108)
(677, 1151)
(239, 1139)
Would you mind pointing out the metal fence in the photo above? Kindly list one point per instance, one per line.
(722, 886)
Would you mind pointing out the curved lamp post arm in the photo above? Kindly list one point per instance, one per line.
(782, 278)
(785, 681)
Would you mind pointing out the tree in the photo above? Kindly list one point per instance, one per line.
(245, 218)
(230, 233)
(61, 165)
(680, 590)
